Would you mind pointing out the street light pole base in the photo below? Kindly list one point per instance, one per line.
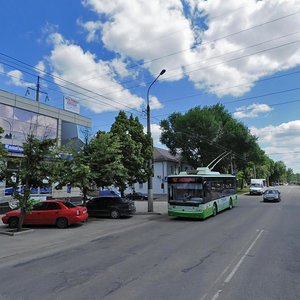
(150, 200)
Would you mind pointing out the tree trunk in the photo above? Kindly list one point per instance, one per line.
(24, 204)
(122, 193)
(84, 192)
(21, 220)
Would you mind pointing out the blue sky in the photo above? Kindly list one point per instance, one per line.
(105, 54)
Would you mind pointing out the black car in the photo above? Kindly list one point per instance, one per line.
(112, 206)
(137, 196)
(272, 195)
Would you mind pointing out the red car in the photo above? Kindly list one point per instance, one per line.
(49, 212)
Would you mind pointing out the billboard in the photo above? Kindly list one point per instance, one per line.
(71, 104)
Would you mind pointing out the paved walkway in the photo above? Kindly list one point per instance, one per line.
(46, 240)
(159, 207)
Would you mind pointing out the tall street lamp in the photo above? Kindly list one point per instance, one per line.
(150, 185)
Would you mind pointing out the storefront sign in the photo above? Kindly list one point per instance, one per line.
(13, 148)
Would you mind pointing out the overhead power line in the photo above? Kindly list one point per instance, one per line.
(75, 85)
(130, 108)
(114, 101)
(213, 41)
(202, 61)
(216, 39)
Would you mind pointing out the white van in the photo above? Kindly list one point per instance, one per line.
(257, 186)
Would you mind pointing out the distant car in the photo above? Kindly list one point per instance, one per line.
(49, 212)
(110, 206)
(272, 195)
(137, 196)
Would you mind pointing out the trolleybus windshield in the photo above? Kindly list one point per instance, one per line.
(186, 192)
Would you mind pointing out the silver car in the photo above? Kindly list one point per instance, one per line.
(272, 195)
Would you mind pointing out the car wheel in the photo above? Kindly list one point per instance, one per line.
(230, 204)
(13, 222)
(114, 214)
(215, 210)
(62, 223)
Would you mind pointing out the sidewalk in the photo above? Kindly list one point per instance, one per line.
(159, 207)
(47, 240)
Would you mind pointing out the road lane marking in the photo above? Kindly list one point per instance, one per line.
(215, 282)
(229, 277)
(216, 296)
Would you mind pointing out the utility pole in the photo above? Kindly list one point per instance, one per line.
(37, 91)
(37, 95)
(150, 184)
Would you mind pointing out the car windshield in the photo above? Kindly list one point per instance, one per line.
(69, 204)
(255, 184)
(271, 192)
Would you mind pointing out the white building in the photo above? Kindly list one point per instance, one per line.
(164, 164)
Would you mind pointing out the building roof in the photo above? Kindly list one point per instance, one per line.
(164, 155)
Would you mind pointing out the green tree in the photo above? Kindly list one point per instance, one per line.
(136, 150)
(279, 172)
(105, 155)
(289, 175)
(34, 169)
(202, 134)
(3, 154)
(97, 164)
(73, 168)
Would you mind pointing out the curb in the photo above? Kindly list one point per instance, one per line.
(148, 213)
(13, 232)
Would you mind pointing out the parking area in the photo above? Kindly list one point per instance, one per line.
(49, 239)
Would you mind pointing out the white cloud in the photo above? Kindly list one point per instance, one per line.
(41, 68)
(146, 30)
(154, 103)
(152, 31)
(17, 79)
(155, 133)
(251, 111)
(56, 38)
(281, 142)
(1, 68)
(249, 68)
(92, 29)
(71, 63)
(120, 67)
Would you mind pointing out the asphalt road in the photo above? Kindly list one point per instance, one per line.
(249, 252)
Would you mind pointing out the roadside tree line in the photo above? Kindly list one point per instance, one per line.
(202, 134)
(120, 157)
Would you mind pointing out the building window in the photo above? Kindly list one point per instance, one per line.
(141, 186)
(18, 123)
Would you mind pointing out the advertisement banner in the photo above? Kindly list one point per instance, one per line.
(71, 104)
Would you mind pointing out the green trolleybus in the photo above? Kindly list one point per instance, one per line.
(200, 193)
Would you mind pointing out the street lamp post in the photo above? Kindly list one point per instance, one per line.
(150, 185)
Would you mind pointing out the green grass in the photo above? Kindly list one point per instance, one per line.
(242, 191)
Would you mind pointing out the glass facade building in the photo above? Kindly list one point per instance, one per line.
(20, 116)
(17, 123)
